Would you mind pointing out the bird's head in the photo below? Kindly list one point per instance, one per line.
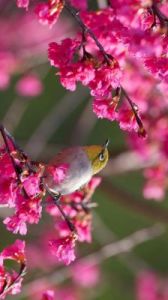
(98, 156)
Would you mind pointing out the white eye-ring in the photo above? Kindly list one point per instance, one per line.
(101, 156)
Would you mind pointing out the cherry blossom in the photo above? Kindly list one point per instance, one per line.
(10, 282)
(149, 286)
(89, 274)
(120, 54)
(48, 295)
(49, 12)
(23, 3)
(25, 196)
(29, 86)
(63, 248)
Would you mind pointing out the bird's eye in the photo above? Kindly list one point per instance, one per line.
(101, 156)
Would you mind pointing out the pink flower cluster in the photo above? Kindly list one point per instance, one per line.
(152, 100)
(23, 3)
(29, 86)
(48, 13)
(24, 194)
(122, 35)
(10, 282)
(150, 287)
(66, 293)
(89, 274)
(76, 206)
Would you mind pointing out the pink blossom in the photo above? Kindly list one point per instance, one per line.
(82, 5)
(55, 50)
(29, 86)
(89, 274)
(94, 183)
(105, 108)
(76, 207)
(23, 3)
(58, 173)
(51, 208)
(10, 282)
(63, 248)
(32, 184)
(127, 120)
(107, 77)
(99, 78)
(149, 286)
(2, 279)
(146, 286)
(83, 227)
(16, 224)
(158, 66)
(48, 295)
(154, 190)
(24, 197)
(146, 19)
(15, 251)
(48, 13)
(27, 210)
(155, 182)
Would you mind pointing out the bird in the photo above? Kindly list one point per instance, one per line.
(83, 162)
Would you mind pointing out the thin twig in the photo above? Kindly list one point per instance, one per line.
(87, 30)
(2, 130)
(156, 11)
(133, 107)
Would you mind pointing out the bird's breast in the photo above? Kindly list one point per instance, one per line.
(79, 171)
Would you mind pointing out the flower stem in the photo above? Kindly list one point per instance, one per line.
(4, 135)
(87, 30)
(142, 131)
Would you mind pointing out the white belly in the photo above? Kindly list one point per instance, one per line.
(78, 174)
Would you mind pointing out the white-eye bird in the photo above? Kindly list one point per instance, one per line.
(83, 163)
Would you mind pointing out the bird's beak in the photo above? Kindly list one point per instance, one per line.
(105, 145)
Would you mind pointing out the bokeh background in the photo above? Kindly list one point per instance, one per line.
(54, 118)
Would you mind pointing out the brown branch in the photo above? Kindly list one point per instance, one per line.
(74, 13)
(142, 131)
(6, 135)
(162, 18)
(107, 57)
